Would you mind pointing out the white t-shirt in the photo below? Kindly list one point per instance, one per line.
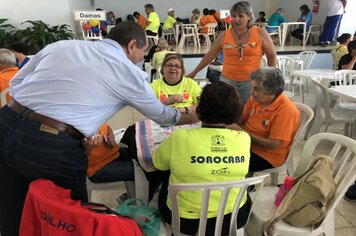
(335, 7)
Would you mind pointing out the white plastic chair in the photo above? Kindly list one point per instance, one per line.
(211, 27)
(307, 57)
(3, 99)
(344, 78)
(168, 34)
(278, 32)
(89, 34)
(313, 33)
(324, 114)
(202, 81)
(306, 115)
(153, 38)
(206, 188)
(343, 151)
(287, 65)
(129, 185)
(189, 30)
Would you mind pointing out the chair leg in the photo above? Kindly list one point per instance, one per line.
(130, 188)
(274, 178)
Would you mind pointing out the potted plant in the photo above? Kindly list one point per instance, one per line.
(36, 36)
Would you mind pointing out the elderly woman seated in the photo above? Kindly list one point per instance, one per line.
(180, 152)
(174, 89)
(270, 118)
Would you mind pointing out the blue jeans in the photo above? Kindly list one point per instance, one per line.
(330, 26)
(27, 154)
(243, 88)
(120, 169)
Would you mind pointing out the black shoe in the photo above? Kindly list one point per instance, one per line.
(350, 194)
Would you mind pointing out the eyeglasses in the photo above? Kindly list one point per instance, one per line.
(173, 66)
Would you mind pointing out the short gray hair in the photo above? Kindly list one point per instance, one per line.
(271, 80)
(279, 10)
(244, 7)
(7, 57)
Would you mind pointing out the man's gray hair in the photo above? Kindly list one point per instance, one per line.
(244, 7)
(271, 80)
(7, 57)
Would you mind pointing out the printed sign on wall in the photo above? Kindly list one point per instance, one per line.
(87, 15)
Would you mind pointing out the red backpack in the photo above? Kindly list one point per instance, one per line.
(49, 210)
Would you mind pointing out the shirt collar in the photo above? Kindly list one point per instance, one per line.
(276, 103)
(14, 68)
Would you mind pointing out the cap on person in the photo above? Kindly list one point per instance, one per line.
(170, 9)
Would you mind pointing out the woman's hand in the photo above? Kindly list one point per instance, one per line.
(234, 127)
(89, 143)
(175, 98)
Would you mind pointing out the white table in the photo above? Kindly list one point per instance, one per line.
(285, 31)
(345, 91)
(316, 74)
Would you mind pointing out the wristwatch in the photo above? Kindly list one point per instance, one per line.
(186, 110)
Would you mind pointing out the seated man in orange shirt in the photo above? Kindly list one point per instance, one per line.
(8, 69)
(207, 18)
(270, 118)
(107, 162)
(140, 19)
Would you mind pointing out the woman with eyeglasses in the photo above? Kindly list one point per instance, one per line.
(174, 89)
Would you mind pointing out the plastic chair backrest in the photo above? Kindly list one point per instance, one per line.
(343, 151)
(307, 57)
(286, 65)
(306, 115)
(322, 98)
(211, 28)
(206, 188)
(345, 77)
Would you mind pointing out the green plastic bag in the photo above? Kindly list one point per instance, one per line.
(149, 219)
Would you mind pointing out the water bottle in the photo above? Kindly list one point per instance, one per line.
(283, 190)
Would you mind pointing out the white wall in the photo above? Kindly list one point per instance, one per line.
(51, 12)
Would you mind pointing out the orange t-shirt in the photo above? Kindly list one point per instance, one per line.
(141, 20)
(5, 76)
(279, 120)
(205, 20)
(100, 156)
(237, 66)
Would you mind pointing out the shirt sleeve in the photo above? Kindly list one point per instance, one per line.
(162, 156)
(196, 92)
(285, 120)
(143, 99)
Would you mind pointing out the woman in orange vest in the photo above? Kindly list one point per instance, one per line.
(243, 46)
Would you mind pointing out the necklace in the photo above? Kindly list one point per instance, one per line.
(239, 36)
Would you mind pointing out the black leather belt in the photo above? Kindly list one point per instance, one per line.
(44, 120)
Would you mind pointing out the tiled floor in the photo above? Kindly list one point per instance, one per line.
(345, 214)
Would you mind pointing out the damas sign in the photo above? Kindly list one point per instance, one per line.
(88, 15)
